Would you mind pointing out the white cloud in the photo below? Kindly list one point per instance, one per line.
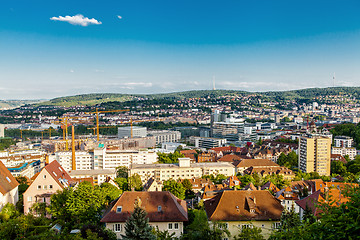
(77, 20)
(119, 17)
(71, 70)
(138, 84)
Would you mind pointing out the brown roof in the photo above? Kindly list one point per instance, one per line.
(338, 157)
(243, 206)
(59, 174)
(7, 181)
(172, 208)
(245, 163)
(229, 158)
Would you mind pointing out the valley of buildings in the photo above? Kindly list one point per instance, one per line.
(226, 144)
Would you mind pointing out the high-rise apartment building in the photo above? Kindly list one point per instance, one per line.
(314, 154)
(2, 131)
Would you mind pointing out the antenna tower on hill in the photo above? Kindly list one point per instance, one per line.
(214, 83)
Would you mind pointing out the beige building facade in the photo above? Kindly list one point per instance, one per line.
(183, 170)
(315, 154)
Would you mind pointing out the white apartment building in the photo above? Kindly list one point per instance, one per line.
(84, 160)
(183, 170)
(137, 132)
(343, 151)
(165, 136)
(99, 176)
(343, 142)
(103, 158)
(203, 142)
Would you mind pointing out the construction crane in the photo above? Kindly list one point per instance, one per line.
(94, 128)
(64, 125)
(97, 118)
(136, 121)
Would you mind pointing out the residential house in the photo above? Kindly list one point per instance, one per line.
(164, 210)
(244, 164)
(8, 187)
(51, 178)
(288, 198)
(245, 209)
(285, 172)
(152, 185)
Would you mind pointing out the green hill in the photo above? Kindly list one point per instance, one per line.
(97, 98)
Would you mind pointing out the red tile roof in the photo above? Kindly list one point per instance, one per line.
(7, 181)
(59, 174)
(172, 208)
(229, 158)
(245, 163)
(243, 206)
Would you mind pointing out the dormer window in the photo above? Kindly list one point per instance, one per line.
(252, 210)
(118, 209)
(159, 208)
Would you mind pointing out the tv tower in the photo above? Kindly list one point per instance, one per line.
(214, 83)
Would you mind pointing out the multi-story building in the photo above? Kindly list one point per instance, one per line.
(164, 211)
(343, 151)
(182, 170)
(104, 158)
(51, 179)
(314, 154)
(2, 132)
(343, 142)
(245, 209)
(165, 136)
(209, 142)
(137, 132)
(98, 176)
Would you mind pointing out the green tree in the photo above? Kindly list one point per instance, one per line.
(111, 192)
(135, 182)
(250, 233)
(289, 219)
(8, 211)
(175, 188)
(163, 235)
(169, 157)
(76, 207)
(338, 167)
(245, 180)
(122, 172)
(122, 183)
(137, 226)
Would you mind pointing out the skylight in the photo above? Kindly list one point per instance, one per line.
(7, 178)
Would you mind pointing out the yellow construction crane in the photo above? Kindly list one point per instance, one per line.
(97, 117)
(64, 125)
(136, 121)
(94, 128)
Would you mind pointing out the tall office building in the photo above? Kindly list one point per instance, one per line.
(2, 131)
(314, 154)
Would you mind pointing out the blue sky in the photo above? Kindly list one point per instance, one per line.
(48, 50)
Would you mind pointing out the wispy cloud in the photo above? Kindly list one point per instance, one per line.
(77, 20)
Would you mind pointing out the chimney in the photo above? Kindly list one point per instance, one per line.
(254, 200)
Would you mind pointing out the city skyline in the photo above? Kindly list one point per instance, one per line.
(59, 49)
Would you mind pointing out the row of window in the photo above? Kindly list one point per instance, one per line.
(117, 227)
(45, 187)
